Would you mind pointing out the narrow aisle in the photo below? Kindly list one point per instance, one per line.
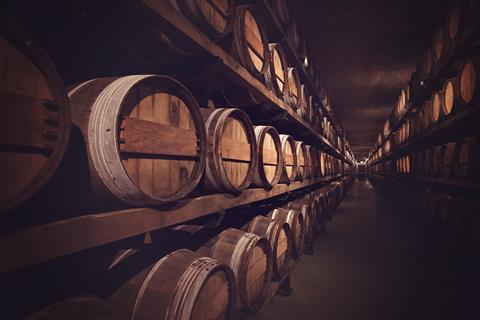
(376, 261)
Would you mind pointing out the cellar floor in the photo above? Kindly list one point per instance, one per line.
(378, 260)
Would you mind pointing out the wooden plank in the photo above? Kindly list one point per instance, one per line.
(221, 5)
(147, 137)
(53, 240)
(270, 157)
(22, 120)
(235, 150)
(288, 158)
(254, 42)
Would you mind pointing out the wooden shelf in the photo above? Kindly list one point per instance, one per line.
(431, 84)
(231, 68)
(279, 34)
(461, 124)
(53, 240)
(453, 186)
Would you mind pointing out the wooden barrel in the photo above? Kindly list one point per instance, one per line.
(453, 21)
(328, 171)
(318, 203)
(294, 85)
(279, 236)
(145, 138)
(231, 150)
(461, 90)
(35, 122)
(307, 209)
(439, 48)
(399, 136)
(300, 150)
(403, 99)
(417, 122)
(308, 66)
(461, 19)
(281, 11)
(290, 161)
(437, 107)
(83, 307)
(418, 165)
(427, 64)
(308, 163)
(215, 18)
(314, 162)
(428, 169)
(447, 160)
(295, 220)
(277, 74)
(407, 129)
(407, 164)
(436, 161)
(270, 157)
(181, 285)
(427, 114)
(296, 40)
(323, 164)
(250, 42)
(250, 258)
(315, 114)
(468, 158)
(304, 104)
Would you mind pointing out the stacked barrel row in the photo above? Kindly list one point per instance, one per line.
(150, 143)
(146, 139)
(457, 160)
(444, 84)
(458, 90)
(233, 272)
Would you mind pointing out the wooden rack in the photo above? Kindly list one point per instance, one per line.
(53, 240)
(461, 124)
(278, 34)
(237, 73)
(427, 91)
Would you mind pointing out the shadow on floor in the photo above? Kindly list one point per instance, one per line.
(378, 259)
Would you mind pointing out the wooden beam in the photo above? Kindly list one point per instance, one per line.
(57, 239)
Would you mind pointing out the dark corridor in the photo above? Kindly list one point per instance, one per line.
(379, 259)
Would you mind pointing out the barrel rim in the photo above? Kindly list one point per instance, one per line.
(103, 132)
(300, 146)
(202, 274)
(239, 40)
(284, 139)
(22, 40)
(286, 215)
(293, 72)
(260, 177)
(273, 236)
(215, 170)
(304, 105)
(252, 240)
(272, 80)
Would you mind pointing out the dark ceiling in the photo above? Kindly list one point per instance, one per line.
(367, 50)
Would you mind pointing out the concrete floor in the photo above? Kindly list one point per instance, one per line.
(377, 260)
